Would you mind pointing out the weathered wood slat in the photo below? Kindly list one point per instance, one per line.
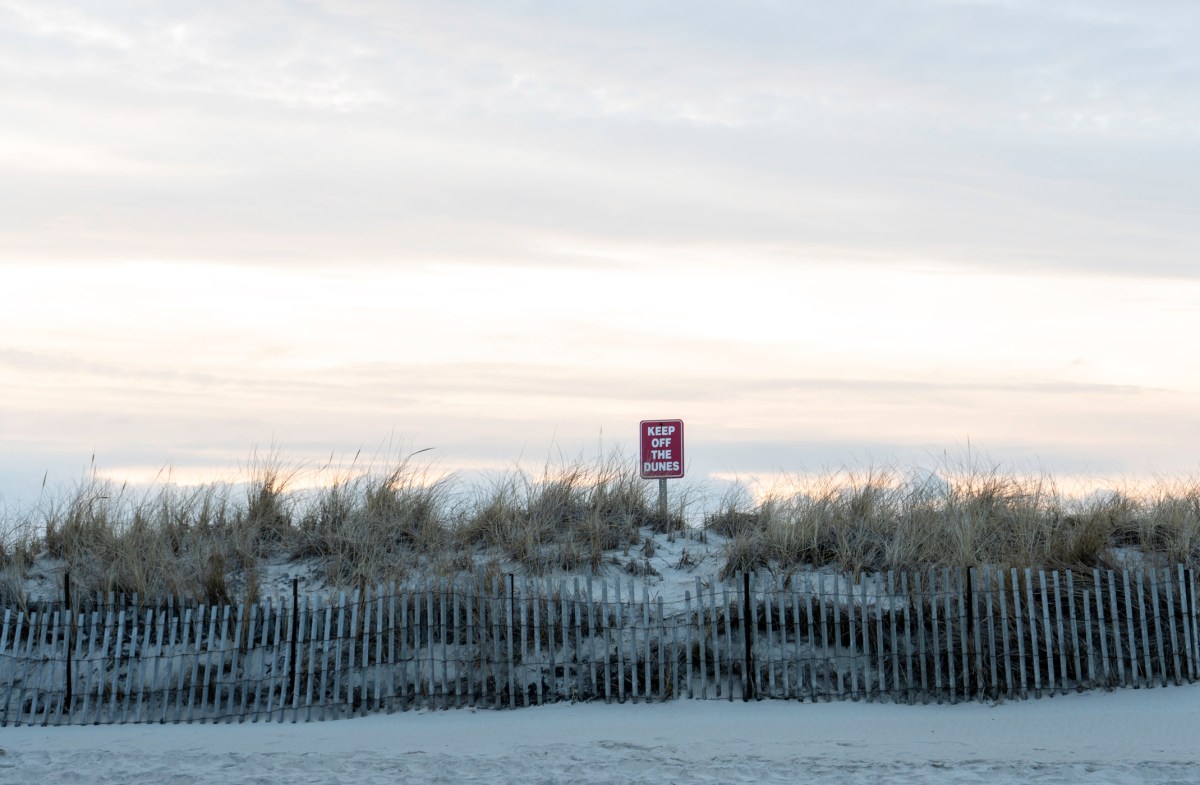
(783, 596)
(49, 681)
(265, 671)
(235, 651)
(972, 641)
(867, 663)
(31, 683)
(379, 698)
(1172, 622)
(594, 672)
(1074, 639)
(336, 701)
(551, 622)
(634, 650)
(582, 661)
(16, 659)
(41, 665)
(12, 667)
(33, 619)
(80, 620)
(133, 658)
(509, 632)
(647, 662)
(321, 609)
(248, 684)
(832, 606)
(391, 629)
(443, 598)
(1061, 639)
(906, 609)
(983, 583)
(221, 678)
(1189, 665)
(1087, 626)
(168, 627)
(1131, 629)
(728, 622)
(497, 605)
(606, 618)
(1158, 633)
(347, 646)
(1098, 598)
(618, 611)
(827, 662)
(876, 590)
(1031, 616)
(675, 653)
(701, 638)
(183, 659)
(88, 624)
(1047, 635)
(1006, 651)
(935, 636)
(145, 668)
(852, 654)
(1018, 617)
(1147, 662)
(1194, 616)
(208, 664)
(955, 619)
(1115, 622)
(768, 647)
(662, 653)
(964, 633)
(59, 625)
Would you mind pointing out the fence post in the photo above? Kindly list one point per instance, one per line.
(748, 694)
(70, 619)
(292, 638)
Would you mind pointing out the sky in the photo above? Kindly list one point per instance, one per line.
(820, 234)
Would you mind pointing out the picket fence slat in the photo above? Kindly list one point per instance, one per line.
(1150, 663)
(1047, 633)
(1194, 616)
(1061, 640)
(1184, 606)
(1103, 628)
(1169, 586)
(1130, 621)
(1074, 639)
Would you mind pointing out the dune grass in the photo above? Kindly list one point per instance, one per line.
(878, 519)
(363, 524)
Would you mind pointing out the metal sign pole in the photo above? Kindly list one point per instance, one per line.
(662, 499)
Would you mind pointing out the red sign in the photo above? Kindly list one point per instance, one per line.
(661, 448)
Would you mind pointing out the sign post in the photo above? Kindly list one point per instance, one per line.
(661, 454)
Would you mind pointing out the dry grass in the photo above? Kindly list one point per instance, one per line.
(363, 524)
(379, 522)
(877, 520)
(568, 519)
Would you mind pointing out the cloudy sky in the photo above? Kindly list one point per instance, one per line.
(820, 233)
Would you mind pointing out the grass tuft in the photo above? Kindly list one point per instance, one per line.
(378, 522)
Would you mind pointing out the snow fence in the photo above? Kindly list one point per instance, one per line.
(942, 635)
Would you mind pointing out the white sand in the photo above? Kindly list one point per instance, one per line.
(1131, 736)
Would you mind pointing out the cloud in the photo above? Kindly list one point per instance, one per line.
(988, 135)
(491, 223)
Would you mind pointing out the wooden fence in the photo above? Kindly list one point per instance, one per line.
(935, 635)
